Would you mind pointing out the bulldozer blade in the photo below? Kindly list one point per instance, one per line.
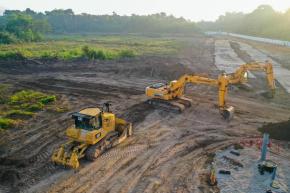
(67, 158)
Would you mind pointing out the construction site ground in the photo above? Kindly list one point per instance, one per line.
(168, 152)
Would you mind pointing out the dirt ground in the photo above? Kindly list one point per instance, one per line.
(167, 153)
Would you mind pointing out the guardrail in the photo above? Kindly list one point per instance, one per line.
(259, 39)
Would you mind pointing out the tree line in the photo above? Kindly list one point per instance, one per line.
(29, 25)
(263, 22)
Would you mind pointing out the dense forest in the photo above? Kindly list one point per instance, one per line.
(263, 22)
(28, 25)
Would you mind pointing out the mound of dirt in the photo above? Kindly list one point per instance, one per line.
(279, 131)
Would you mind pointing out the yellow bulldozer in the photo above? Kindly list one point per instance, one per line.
(94, 131)
(171, 96)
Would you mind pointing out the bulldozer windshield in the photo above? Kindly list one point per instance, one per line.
(86, 122)
(83, 123)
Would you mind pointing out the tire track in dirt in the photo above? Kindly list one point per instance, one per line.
(95, 171)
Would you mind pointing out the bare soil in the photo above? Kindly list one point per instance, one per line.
(167, 153)
(279, 131)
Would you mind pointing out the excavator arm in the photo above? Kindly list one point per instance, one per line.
(241, 74)
(222, 82)
(177, 86)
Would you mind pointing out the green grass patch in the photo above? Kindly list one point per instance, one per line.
(22, 105)
(6, 123)
(19, 114)
(28, 97)
(48, 99)
(93, 47)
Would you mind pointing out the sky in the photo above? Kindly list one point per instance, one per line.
(195, 10)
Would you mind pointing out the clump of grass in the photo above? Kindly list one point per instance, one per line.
(22, 105)
(48, 99)
(19, 114)
(30, 97)
(127, 54)
(32, 107)
(6, 123)
(11, 55)
(93, 54)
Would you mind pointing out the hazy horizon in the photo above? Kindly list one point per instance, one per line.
(193, 10)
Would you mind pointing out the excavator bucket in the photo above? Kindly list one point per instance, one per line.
(228, 113)
(69, 154)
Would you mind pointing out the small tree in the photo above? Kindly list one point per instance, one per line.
(26, 28)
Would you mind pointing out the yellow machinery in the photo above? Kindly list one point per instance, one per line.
(171, 96)
(241, 74)
(94, 131)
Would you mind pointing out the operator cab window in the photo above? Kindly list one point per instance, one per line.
(83, 123)
(87, 122)
(157, 85)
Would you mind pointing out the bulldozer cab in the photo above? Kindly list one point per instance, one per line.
(88, 119)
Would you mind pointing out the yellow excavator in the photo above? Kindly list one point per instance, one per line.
(240, 76)
(95, 130)
(171, 96)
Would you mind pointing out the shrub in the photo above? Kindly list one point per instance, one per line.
(7, 38)
(93, 54)
(86, 50)
(100, 54)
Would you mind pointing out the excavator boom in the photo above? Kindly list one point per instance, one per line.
(240, 75)
(171, 95)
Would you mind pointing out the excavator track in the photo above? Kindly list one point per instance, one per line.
(173, 106)
(185, 101)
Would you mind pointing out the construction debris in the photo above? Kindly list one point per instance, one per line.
(248, 179)
(235, 153)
